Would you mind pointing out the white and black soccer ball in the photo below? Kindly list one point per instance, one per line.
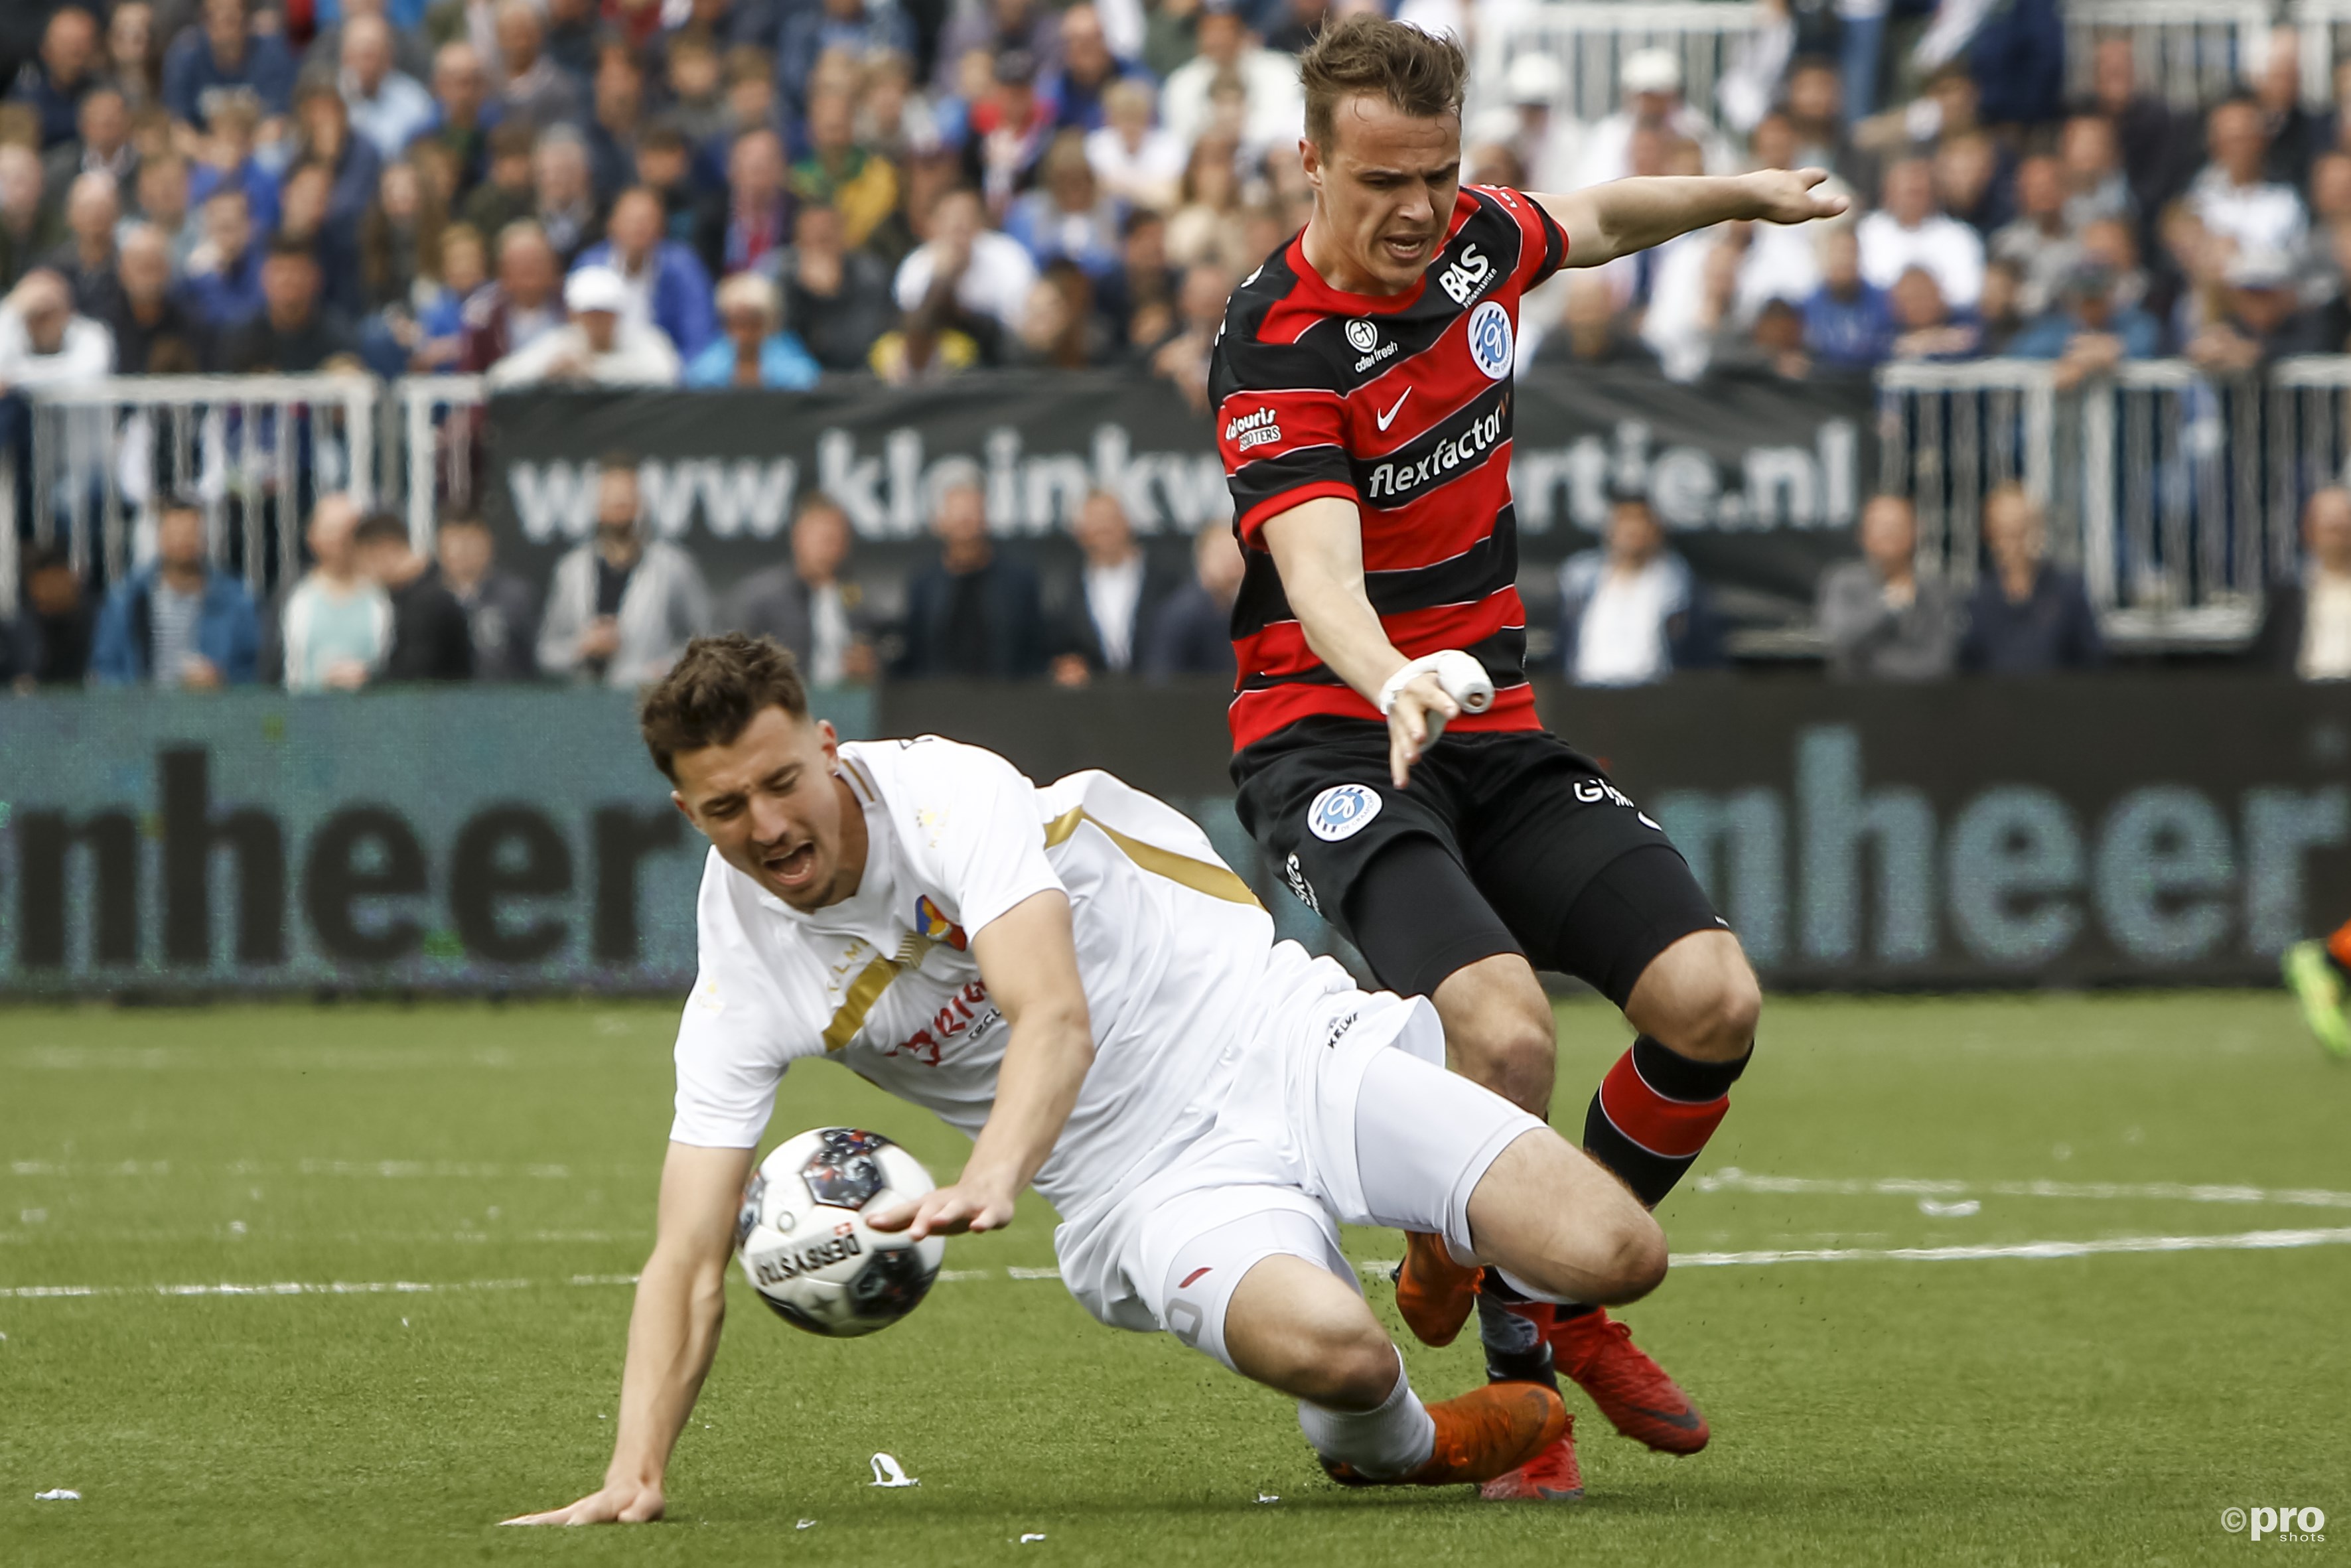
(804, 1242)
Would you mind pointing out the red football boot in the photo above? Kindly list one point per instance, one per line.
(1481, 1435)
(1552, 1476)
(1630, 1390)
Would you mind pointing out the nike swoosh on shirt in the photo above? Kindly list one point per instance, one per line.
(1389, 418)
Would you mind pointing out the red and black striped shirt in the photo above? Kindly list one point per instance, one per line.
(1400, 403)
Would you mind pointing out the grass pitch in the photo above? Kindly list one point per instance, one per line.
(1983, 1409)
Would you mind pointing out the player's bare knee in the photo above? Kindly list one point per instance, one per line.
(1355, 1369)
(1510, 1053)
(1717, 1018)
(1635, 1260)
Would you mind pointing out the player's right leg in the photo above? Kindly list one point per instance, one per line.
(2316, 972)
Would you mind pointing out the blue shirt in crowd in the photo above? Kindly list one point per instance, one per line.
(1848, 334)
(784, 363)
(194, 80)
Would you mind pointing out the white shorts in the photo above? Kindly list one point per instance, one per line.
(1341, 1111)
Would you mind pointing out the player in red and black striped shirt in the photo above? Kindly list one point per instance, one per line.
(1363, 389)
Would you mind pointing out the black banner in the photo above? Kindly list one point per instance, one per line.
(2103, 831)
(1758, 480)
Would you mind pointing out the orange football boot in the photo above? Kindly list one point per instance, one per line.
(1484, 1433)
(1630, 1390)
(1435, 1294)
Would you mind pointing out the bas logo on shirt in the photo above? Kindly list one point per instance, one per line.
(1466, 278)
(935, 925)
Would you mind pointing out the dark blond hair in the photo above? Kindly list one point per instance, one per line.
(1419, 73)
(718, 685)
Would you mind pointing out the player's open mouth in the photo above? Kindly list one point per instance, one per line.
(792, 867)
(1405, 251)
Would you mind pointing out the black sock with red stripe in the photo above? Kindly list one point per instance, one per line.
(1653, 1112)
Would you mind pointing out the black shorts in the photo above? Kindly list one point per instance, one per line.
(1505, 841)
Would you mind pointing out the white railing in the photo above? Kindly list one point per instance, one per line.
(1590, 41)
(439, 420)
(2191, 52)
(2325, 27)
(247, 449)
(1948, 434)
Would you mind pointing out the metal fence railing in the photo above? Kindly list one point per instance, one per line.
(1949, 434)
(1589, 39)
(2192, 52)
(440, 424)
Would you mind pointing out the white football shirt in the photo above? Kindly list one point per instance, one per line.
(1171, 946)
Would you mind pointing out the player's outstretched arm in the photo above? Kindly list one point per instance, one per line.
(1028, 961)
(1606, 221)
(673, 1333)
(1318, 548)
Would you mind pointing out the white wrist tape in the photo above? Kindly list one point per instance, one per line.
(1464, 679)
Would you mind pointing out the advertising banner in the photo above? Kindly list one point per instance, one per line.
(1758, 480)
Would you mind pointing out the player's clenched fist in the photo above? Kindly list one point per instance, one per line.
(632, 1503)
(1792, 196)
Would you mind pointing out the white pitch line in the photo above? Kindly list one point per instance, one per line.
(1733, 1179)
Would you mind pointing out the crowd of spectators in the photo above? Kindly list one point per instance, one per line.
(770, 193)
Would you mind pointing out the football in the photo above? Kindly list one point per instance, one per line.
(806, 1247)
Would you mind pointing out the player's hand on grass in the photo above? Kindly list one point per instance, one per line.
(948, 1211)
(1791, 196)
(1421, 712)
(617, 1503)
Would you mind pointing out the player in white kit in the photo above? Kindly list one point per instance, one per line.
(1071, 976)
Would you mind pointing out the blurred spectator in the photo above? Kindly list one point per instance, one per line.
(598, 346)
(222, 59)
(388, 107)
(399, 240)
(134, 52)
(1849, 322)
(856, 27)
(1137, 162)
(87, 260)
(2291, 131)
(1138, 300)
(306, 224)
(463, 115)
(55, 83)
(620, 607)
(563, 196)
(523, 306)
(323, 136)
(224, 278)
(808, 603)
(836, 300)
(501, 609)
(1193, 634)
(1274, 112)
(2158, 146)
(1970, 184)
(147, 317)
(1815, 106)
(410, 51)
(52, 636)
(2026, 617)
(753, 349)
(1999, 313)
(841, 174)
(227, 161)
(571, 36)
(1060, 328)
(2015, 56)
(1589, 330)
(1632, 613)
(434, 337)
(532, 89)
(757, 207)
(2090, 168)
(504, 196)
(2307, 622)
(2040, 239)
(1068, 214)
(161, 193)
(666, 285)
(692, 212)
(2330, 189)
(1882, 620)
(1206, 227)
(986, 274)
(1908, 231)
(44, 342)
(1078, 91)
(1183, 358)
(1774, 344)
(696, 87)
(1110, 615)
(1651, 82)
(29, 226)
(616, 120)
(176, 621)
(100, 143)
(1924, 327)
(430, 638)
(975, 613)
(2263, 318)
(2234, 194)
(336, 626)
(1009, 126)
(2089, 332)
(294, 334)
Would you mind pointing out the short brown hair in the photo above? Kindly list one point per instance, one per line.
(1421, 74)
(713, 693)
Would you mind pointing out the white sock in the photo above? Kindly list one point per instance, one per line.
(1393, 1441)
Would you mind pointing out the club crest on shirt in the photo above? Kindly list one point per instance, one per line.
(1341, 812)
(1365, 336)
(1489, 340)
(936, 926)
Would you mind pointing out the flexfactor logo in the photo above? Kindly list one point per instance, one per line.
(1341, 812)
